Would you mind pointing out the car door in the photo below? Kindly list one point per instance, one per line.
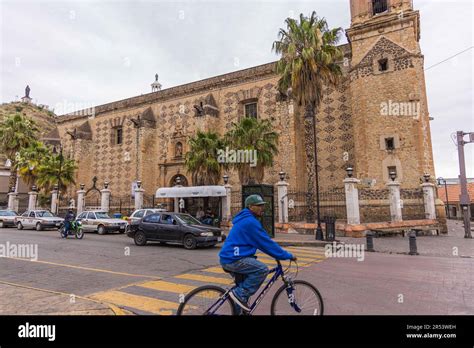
(91, 222)
(169, 228)
(150, 225)
(31, 220)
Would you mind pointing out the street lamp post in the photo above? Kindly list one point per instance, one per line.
(443, 181)
(311, 119)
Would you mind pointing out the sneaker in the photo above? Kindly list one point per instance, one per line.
(239, 302)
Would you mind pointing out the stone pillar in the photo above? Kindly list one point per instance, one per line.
(139, 192)
(81, 199)
(282, 189)
(352, 201)
(13, 201)
(429, 200)
(226, 201)
(54, 200)
(105, 197)
(394, 198)
(32, 198)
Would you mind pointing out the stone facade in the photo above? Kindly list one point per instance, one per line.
(351, 131)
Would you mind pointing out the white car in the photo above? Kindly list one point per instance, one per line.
(139, 214)
(100, 222)
(7, 218)
(39, 219)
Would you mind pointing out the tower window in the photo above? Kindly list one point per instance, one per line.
(251, 110)
(379, 6)
(389, 144)
(118, 135)
(383, 64)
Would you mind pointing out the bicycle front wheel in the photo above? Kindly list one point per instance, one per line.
(206, 300)
(304, 299)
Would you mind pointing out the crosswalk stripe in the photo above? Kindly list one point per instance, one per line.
(306, 252)
(161, 285)
(143, 303)
(214, 270)
(205, 279)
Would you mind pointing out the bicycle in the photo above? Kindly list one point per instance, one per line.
(218, 301)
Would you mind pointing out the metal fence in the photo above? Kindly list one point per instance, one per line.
(332, 203)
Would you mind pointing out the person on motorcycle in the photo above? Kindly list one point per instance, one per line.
(238, 252)
(68, 221)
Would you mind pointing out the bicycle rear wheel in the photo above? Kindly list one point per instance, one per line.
(201, 299)
(306, 298)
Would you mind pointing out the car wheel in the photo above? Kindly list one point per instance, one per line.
(19, 226)
(101, 230)
(189, 242)
(140, 238)
(39, 227)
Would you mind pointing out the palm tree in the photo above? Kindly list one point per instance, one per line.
(54, 169)
(202, 159)
(309, 61)
(16, 132)
(253, 134)
(29, 160)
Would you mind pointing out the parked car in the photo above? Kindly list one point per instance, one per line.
(39, 219)
(100, 222)
(174, 228)
(7, 218)
(139, 214)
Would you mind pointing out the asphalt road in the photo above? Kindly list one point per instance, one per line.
(110, 270)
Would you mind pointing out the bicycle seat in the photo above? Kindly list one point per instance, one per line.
(238, 277)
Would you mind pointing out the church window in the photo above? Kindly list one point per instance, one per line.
(383, 64)
(389, 144)
(118, 135)
(251, 110)
(379, 6)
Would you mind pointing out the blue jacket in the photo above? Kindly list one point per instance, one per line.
(246, 236)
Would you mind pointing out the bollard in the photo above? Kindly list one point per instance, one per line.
(370, 241)
(412, 240)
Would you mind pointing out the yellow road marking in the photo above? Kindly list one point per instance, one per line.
(168, 286)
(143, 303)
(306, 252)
(87, 268)
(214, 270)
(205, 279)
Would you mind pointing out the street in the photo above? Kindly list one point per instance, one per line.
(109, 275)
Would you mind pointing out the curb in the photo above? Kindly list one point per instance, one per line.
(314, 244)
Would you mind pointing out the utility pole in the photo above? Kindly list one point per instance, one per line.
(464, 197)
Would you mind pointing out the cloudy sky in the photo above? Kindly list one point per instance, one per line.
(76, 54)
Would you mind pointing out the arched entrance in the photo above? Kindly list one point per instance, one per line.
(92, 199)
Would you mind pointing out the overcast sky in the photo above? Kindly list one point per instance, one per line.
(77, 54)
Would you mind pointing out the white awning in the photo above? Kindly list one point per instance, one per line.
(190, 191)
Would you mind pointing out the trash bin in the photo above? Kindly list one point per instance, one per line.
(330, 222)
(117, 215)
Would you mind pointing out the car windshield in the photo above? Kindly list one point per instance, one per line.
(44, 214)
(102, 215)
(7, 213)
(188, 220)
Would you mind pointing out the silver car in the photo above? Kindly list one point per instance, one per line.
(7, 218)
(139, 214)
(100, 222)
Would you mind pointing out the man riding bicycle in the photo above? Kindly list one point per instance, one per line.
(238, 252)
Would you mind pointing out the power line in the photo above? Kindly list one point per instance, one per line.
(457, 54)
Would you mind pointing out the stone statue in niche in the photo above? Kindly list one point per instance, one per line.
(179, 150)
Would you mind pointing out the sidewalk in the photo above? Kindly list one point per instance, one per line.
(21, 300)
(451, 245)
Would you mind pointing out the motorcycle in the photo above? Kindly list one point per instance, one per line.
(75, 229)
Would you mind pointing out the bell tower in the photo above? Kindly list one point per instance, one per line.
(388, 95)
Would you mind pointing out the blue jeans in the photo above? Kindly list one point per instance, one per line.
(255, 272)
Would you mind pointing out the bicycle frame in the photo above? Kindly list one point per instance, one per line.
(278, 272)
